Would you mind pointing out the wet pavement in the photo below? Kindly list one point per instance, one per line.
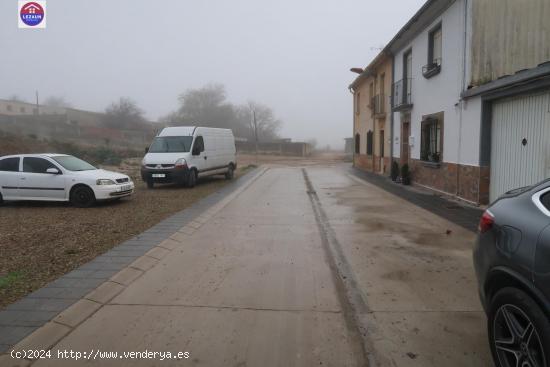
(302, 267)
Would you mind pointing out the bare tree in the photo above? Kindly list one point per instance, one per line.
(208, 106)
(124, 114)
(267, 124)
(15, 98)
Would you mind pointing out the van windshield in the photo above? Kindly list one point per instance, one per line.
(171, 144)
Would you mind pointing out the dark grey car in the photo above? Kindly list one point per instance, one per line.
(512, 263)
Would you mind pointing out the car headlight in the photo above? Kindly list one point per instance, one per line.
(181, 163)
(143, 162)
(104, 181)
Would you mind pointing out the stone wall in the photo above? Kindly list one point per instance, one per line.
(472, 183)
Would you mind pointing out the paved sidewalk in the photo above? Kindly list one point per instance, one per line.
(28, 314)
(464, 215)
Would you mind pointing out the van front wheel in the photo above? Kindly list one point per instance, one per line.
(191, 179)
(230, 173)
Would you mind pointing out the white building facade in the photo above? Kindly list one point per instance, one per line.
(465, 128)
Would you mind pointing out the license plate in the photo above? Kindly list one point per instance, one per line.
(126, 188)
(159, 175)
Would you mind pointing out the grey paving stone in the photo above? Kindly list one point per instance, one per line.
(75, 283)
(10, 335)
(127, 252)
(60, 293)
(26, 318)
(93, 265)
(40, 304)
(79, 273)
(113, 259)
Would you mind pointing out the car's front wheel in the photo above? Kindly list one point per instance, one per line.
(150, 184)
(519, 331)
(82, 197)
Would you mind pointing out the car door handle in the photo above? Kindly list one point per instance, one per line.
(23, 178)
(205, 157)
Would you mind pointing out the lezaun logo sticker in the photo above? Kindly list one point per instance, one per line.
(32, 14)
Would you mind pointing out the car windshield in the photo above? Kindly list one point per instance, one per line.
(73, 164)
(171, 144)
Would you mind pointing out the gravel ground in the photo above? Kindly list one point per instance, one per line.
(41, 241)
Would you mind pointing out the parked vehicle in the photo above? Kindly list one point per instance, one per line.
(183, 154)
(59, 177)
(512, 262)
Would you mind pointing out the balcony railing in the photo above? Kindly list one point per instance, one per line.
(378, 104)
(432, 68)
(402, 94)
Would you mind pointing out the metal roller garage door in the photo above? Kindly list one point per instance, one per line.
(520, 142)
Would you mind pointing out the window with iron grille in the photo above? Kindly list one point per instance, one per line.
(357, 143)
(431, 137)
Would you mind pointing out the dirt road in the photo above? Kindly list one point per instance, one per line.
(290, 272)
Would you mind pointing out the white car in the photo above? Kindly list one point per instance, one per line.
(59, 177)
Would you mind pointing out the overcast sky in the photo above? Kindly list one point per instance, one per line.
(293, 55)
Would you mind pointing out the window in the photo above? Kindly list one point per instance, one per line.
(199, 144)
(73, 164)
(171, 144)
(435, 53)
(9, 165)
(36, 165)
(8, 107)
(358, 103)
(22, 109)
(369, 142)
(545, 200)
(431, 137)
(357, 143)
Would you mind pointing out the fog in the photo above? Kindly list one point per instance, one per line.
(293, 56)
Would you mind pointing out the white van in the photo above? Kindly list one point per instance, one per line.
(182, 154)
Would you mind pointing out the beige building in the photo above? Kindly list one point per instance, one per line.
(18, 108)
(372, 116)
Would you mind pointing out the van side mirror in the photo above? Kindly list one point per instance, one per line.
(146, 150)
(53, 171)
(196, 151)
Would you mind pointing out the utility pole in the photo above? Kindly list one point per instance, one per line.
(255, 133)
(37, 104)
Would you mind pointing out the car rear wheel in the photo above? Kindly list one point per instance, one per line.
(82, 197)
(230, 173)
(519, 331)
(1, 199)
(191, 179)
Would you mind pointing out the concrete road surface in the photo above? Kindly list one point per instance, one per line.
(303, 267)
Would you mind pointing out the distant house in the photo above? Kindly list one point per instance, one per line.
(470, 99)
(372, 115)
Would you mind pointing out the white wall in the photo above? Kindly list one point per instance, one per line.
(441, 93)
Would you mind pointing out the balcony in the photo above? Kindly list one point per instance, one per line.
(431, 69)
(378, 105)
(402, 95)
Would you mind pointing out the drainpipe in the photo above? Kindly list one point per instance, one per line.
(353, 126)
(391, 111)
(461, 101)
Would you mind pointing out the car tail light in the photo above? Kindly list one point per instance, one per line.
(486, 222)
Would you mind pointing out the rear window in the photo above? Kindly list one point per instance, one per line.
(9, 164)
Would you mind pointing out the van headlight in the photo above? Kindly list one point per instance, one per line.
(181, 163)
(104, 181)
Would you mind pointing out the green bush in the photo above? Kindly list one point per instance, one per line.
(405, 174)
